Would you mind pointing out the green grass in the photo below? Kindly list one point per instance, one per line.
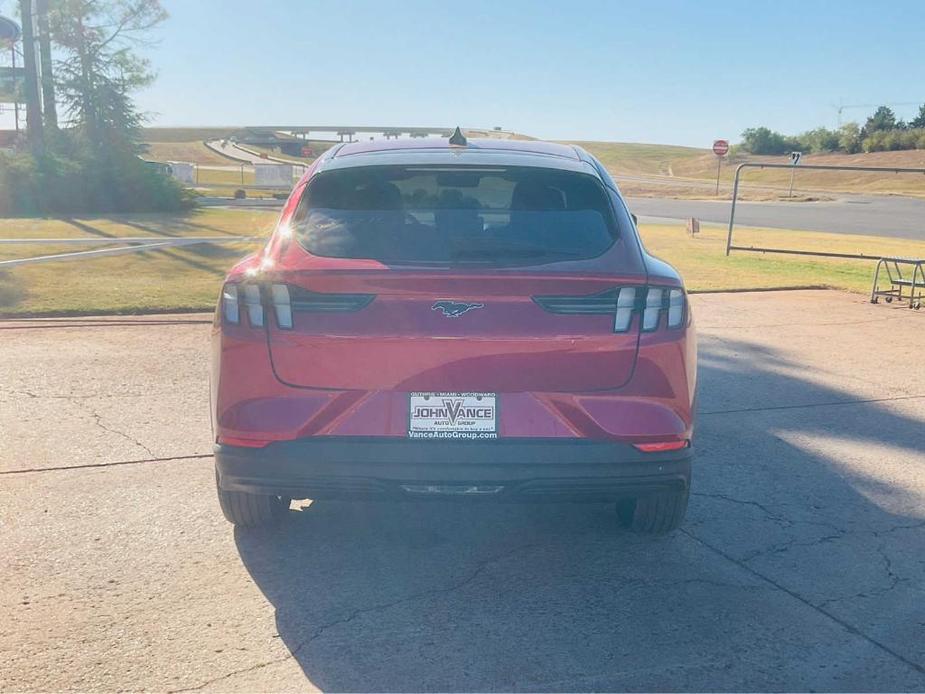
(189, 278)
(638, 158)
(170, 279)
(193, 152)
(705, 267)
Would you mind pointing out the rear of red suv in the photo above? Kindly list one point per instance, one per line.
(454, 321)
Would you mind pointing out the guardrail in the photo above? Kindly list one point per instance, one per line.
(793, 167)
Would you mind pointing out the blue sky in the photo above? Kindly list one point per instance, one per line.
(666, 72)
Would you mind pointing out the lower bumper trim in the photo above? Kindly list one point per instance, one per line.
(349, 468)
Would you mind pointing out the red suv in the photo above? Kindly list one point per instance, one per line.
(465, 319)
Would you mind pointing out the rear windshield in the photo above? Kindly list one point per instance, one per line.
(455, 215)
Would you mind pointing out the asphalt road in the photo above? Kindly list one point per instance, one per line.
(232, 150)
(799, 567)
(873, 215)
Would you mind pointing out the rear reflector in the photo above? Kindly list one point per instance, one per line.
(661, 446)
(245, 443)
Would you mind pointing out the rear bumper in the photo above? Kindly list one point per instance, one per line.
(364, 467)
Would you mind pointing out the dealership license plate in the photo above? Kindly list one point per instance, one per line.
(453, 416)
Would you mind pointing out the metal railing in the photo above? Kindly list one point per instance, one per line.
(813, 167)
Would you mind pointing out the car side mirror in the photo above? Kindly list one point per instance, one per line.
(635, 219)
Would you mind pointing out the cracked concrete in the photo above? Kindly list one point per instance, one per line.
(799, 566)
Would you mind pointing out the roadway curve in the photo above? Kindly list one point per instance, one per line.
(230, 149)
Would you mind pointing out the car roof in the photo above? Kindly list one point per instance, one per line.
(438, 151)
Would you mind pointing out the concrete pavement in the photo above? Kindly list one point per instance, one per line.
(799, 566)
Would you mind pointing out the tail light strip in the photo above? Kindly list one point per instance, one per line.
(622, 302)
(285, 300)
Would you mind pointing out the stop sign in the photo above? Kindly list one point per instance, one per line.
(720, 147)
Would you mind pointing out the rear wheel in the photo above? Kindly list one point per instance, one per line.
(655, 514)
(251, 510)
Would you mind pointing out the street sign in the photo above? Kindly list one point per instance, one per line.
(308, 152)
(794, 160)
(720, 149)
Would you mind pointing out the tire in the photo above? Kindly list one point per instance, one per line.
(656, 514)
(251, 510)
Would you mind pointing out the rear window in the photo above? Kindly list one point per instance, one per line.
(455, 215)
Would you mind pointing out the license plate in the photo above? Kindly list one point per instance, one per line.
(453, 416)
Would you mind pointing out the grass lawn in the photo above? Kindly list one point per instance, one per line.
(705, 267)
(638, 158)
(193, 152)
(189, 277)
(173, 278)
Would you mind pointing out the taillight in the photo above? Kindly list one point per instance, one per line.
(659, 300)
(653, 309)
(675, 308)
(622, 303)
(230, 309)
(282, 305)
(234, 295)
(626, 303)
(253, 305)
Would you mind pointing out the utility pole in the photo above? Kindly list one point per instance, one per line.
(48, 78)
(34, 132)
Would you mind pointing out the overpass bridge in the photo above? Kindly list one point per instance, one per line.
(351, 131)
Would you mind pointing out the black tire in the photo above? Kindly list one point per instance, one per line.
(656, 514)
(251, 510)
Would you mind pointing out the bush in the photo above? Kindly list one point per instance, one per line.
(73, 182)
(765, 141)
(849, 138)
(819, 140)
(893, 140)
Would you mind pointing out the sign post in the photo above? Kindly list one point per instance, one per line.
(794, 160)
(720, 149)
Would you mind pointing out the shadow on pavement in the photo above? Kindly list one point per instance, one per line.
(756, 592)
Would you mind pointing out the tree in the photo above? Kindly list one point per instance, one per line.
(849, 138)
(49, 107)
(93, 164)
(34, 130)
(919, 120)
(883, 119)
(763, 140)
(99, 68)
(818, 140)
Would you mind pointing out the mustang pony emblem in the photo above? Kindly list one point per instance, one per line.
(454, 309)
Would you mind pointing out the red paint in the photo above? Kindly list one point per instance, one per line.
(349, 374)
